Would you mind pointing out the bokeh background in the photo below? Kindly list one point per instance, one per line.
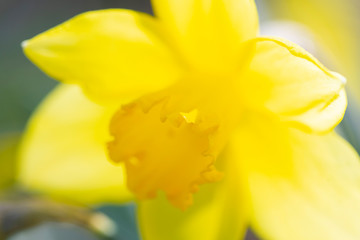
(327, 28)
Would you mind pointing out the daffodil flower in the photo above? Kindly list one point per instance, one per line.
(213, 128)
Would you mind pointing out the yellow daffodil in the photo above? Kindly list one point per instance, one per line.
(192, 103)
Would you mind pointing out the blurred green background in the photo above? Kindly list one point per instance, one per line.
(327, 28)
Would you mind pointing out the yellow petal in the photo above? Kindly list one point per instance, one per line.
(217, 213)
(288, 81)
(209, 33)
(300, 186)
(109, 53)
(339, 42)
(63, 150)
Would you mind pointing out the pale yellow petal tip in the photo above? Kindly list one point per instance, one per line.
(103, 224)
(340, 77)
(25, 43)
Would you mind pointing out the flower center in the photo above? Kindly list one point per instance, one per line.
(169, 141)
